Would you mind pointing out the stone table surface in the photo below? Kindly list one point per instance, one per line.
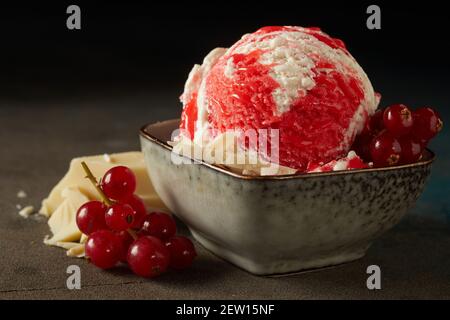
(38, 139)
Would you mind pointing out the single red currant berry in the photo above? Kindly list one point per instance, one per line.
(139, 207)
(411, 150)
(148, 257)
(91, 217)
(182, 252)
(376, 123)
(385, 150)
(119, 183)
(160, 225)
(119, 217)
(398, 120)
(125, 240)
(362, 146)
(427, 123)
(103, 248)
(423, 142)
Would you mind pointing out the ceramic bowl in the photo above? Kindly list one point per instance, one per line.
(281, 224)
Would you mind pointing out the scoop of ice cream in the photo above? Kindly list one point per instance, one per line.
(297, 80)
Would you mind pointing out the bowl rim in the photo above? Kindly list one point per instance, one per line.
(145, 134)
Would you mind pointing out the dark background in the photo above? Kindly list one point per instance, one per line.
(132, 46)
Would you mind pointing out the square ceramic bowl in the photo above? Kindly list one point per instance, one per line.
(281, 224)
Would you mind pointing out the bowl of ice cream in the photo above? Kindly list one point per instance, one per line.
(281, 224)
(276, 185)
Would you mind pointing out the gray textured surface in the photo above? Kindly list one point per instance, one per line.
(36, 147)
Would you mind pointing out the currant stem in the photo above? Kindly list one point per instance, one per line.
(132, 233)
(93, 180)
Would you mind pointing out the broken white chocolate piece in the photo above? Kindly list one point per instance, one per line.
(63, 222)
(83, 238)
(21, 194)
(75, 177)
(76, 251)
(107, 158)
(27, 211)
(67, 245)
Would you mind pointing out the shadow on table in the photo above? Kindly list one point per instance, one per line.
(414, 263)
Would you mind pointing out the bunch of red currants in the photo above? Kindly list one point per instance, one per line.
(396, 135)
(119, 229)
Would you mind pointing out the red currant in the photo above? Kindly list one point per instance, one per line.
(120, 217)
(119, 183)
(91, 217)
(376, 123)
(362, 146)
(366, 129)
(423, 142)
(182, 252)
(125, 240)
(411, 150)
(398, 120)
(385, 150)
(139, 207)
(160, 225)
(427, 123)
(103, 248)
(148, 257)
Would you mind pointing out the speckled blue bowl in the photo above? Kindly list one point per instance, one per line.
(281, 224)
